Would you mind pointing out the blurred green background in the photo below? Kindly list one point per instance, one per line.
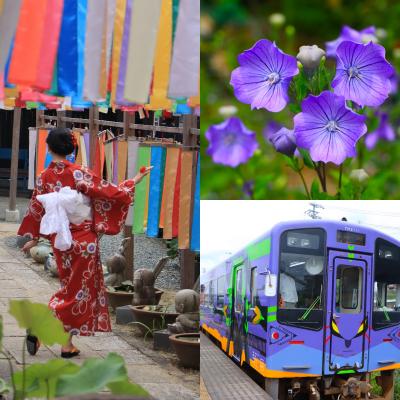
(230, 26)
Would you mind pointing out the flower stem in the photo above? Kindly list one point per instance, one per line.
(324, 175)
(340, 180)
(316, 167)
(304, 183)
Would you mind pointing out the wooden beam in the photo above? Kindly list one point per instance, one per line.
(129, 255)
(93, 129)
(187, 257)
(14, 159)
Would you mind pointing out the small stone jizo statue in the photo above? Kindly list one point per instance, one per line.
(187, 305)
(116, 265)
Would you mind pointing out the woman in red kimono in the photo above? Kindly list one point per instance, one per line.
(81, 302)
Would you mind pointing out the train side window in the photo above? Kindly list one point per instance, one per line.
(211, 293)
(253, 286)
(301, 271)
(221, 291)
(238, 291)
(386, 311)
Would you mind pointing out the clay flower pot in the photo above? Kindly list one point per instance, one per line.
(154, 317)
(119, 298)
(187, 348)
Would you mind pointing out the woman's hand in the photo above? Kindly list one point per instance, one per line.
(29, 245)
(141, 175)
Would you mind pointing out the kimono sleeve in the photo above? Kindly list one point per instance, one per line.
(110, 202)
(30, 225)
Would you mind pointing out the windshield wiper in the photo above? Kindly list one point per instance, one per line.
(309, 309)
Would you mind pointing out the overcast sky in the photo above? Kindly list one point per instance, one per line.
(229, 225)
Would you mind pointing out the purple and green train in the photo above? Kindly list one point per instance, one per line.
(312, 306)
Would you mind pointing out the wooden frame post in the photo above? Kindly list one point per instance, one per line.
(14, 159)
(187, 257)
(93, 129)
(129, 118)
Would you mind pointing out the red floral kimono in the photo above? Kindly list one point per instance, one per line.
(81, 302)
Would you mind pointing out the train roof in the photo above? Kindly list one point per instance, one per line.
(311, 223)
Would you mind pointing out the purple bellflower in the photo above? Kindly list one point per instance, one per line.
(264, 76)
(328, 128)
(384, 131)
(231, 143)
(362, 73)
(347, 33)
(270, 129)
(284, 141)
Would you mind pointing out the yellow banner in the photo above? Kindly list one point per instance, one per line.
(162, 63)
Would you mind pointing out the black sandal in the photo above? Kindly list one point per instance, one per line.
(32, 344)
(69, 354)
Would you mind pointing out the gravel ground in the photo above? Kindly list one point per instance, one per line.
(147, 251)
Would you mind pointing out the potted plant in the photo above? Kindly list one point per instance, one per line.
(187, 348)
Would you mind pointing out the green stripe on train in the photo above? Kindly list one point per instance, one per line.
(259, 249)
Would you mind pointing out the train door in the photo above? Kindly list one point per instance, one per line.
(237, 310)
(348, 309)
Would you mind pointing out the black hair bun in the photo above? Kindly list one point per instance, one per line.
(60, 141)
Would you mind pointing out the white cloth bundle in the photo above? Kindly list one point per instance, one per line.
(61, 208)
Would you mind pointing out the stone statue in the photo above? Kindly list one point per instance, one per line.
(187, 305)
(41, 251)
(51, 266)
(143, 282)
(116, 265)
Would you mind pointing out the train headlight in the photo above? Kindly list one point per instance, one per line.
(360, 329)
(335, 328)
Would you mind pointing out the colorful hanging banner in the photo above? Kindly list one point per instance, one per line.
(120, 99)
(133, 147)
(115, 166)
(145, 22)
(95, 28)
(78, 135)
(156, 186)
(41, 150)
(117, 44)
(109, 159)
(32, 152)
(8, 25)
(122, 160)
(185, 65)
(195, 234)
(171, 171)
(86, 138)
(177, 191)
(28, 43)
(141, 191)
(185, 198)
(49, 45)
(158, 99)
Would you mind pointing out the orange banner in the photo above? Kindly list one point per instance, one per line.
(78, 159)
(122, 160)
(167, 207)
(41, 150)
(28, 43)
(185, 198)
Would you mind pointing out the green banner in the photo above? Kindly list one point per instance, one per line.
(140, 191)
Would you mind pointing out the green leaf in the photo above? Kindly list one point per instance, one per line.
(293, 163)
(127, 388)
(39, 319)
(4, 388)
(306, 158)
(94, 376)
(314, 189)
(41, 379)
(294, 108)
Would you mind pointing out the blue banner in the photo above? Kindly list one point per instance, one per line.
(195, 239)
(156, 187)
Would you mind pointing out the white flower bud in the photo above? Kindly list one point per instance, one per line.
(358, 175)
(310, 56)
(381, 33)
(277, 19)
(227, 111)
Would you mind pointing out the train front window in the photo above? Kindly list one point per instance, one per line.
(386, 285)
(301, 266)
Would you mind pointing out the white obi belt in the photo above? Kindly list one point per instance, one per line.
(62, 208)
